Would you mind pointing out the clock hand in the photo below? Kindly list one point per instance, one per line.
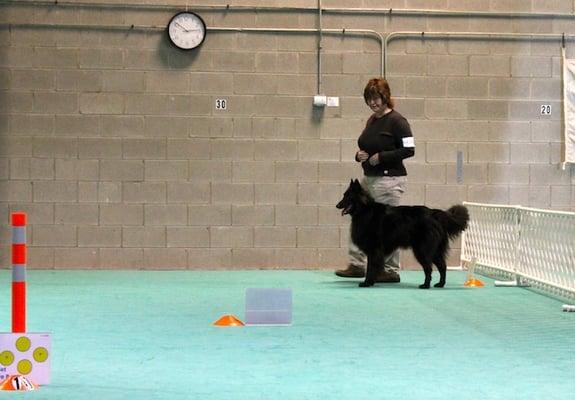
(187, 30)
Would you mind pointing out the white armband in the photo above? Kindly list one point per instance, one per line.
(408, 141)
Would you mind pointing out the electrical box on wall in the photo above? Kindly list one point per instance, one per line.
(319, 100)
(322, 101)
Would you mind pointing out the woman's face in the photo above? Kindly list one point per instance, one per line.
(376, 104)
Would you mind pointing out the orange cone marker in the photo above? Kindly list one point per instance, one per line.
(17, 383)
(228, 320)
(471, 281)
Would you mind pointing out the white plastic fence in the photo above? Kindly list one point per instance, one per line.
(526, 244)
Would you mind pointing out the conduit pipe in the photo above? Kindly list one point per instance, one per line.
(343, 31)
(319, 48)
(335, 10)
(469, 35)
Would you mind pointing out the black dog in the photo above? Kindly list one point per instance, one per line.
(378, 229)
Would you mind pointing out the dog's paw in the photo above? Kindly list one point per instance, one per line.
(424, 286)
(365, 284)
(439, 284)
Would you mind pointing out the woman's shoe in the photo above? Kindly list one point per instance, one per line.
(352, 271)
(388, 276)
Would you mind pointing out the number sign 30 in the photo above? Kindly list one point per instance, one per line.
(221, 104)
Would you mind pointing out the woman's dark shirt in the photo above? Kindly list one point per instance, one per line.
(391, 137)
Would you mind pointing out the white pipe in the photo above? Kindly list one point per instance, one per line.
(366, 32)
(513, 283)
(485, 35)
(335, 10)
(343, 31)
(319, 48)
(488, 205)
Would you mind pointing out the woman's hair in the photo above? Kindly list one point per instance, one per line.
(378, 87)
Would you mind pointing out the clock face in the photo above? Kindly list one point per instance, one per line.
(187, 30)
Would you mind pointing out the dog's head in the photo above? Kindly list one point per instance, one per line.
(353, 198)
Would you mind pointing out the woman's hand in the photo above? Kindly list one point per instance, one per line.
(374, 160)
(361, 156)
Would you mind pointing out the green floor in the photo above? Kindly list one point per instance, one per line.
(149, 335)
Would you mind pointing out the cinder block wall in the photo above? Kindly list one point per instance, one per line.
(111, 141)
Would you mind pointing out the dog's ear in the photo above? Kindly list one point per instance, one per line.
(356, 186)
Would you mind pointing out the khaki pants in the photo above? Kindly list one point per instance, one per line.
(384, 190)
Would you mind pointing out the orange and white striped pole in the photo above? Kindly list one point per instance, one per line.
(18, 272)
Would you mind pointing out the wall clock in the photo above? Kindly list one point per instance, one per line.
(186, 30)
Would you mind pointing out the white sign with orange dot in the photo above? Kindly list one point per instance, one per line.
(26, 354)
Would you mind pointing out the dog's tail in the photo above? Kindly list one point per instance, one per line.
(454, 220)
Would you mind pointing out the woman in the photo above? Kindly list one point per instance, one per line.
(383, 145)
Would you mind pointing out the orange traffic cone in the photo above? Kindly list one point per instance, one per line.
(17, 383)
(473, 283)
(471, 280)
(228, 320)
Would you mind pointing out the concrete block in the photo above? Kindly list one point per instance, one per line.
(323, 193)
(101, 148)
(121, 170)
(76, 214)
(29, 124)
(165, 214)
(210, 215)
(98, 236)
(210, 258)
(318, 236)
(54, 147)
(166, 170)
(231, 236)
(530, 153)
(55, 191)
(81, 170)
(53, 235)
(187, 237)
(508, 174)
(144, 148)
(74, 126)
(495, 194)
(186, 192)
(296, 171)
(276, 150)
(275, 193)
(143, 236)
(121, 214)
(76, 258)
(253, 215)
(144, 192)
(122, 125)
(274, 236)
(165, 259)
(489, 152)
(101, 103)
(121, 258)
(296, 215)
(253, 172)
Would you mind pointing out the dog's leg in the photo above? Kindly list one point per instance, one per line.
(442, 268)
(371, 272)
(427, 268)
